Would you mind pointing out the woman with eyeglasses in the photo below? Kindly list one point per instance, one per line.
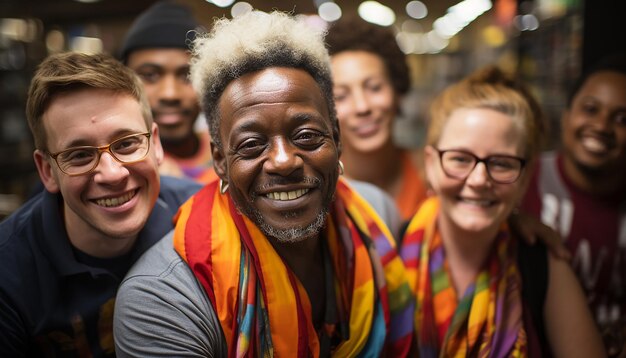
(479, 290)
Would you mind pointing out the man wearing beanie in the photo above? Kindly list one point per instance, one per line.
(156, 47)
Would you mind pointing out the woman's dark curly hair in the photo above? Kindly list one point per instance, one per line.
(354, 34)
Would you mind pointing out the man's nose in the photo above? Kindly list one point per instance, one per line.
(109, 170)
(283, 158)
(168, 88)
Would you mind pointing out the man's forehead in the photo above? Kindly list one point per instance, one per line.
(273, 84)
(92, 116)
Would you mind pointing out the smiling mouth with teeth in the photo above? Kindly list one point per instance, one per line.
(112, 202)
(595, 145)
(287, 195)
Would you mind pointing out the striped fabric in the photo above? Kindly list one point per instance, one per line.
(487, 320)
(262, 307)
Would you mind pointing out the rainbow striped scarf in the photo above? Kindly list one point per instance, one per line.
(263, 308)
(487, 321)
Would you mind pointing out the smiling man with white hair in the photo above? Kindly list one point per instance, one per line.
(281, 256)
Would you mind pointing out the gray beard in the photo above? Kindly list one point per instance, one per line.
(291, 235)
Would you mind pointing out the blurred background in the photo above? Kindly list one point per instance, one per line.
(546, 42)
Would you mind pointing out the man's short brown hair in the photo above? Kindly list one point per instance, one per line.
(69, 72)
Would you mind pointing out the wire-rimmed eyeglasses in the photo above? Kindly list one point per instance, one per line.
(84, 159)
(502, 169)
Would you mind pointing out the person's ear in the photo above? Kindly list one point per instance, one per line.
(219, 161)
(46, 172)
(156, 143)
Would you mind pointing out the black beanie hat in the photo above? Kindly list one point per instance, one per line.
(163, 25)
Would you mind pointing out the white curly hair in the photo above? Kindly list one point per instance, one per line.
(253, 42)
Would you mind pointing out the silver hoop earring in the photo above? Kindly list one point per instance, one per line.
(341, 171)
(223, 187)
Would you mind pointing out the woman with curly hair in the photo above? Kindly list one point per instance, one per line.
(370, 76)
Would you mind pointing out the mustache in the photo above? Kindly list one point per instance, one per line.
(316, 182)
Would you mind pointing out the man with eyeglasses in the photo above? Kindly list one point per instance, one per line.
(64, 253)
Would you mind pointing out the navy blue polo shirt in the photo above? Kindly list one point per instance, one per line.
(56, 300)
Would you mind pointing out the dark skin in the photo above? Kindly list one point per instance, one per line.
(280, 160)
(174, 103)
(594, 135)
(186, 148)
(594, 147)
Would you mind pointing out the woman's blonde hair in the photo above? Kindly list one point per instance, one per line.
(490, 88)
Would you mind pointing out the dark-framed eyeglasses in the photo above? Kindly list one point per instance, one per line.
(84, 159)
(502, 169)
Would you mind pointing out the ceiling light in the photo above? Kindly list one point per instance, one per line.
(221, 3)
(88, 45)
(376, 13)
(240, 8)
(416, 9)
(329, 11)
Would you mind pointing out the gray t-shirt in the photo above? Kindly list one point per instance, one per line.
(161, 310)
